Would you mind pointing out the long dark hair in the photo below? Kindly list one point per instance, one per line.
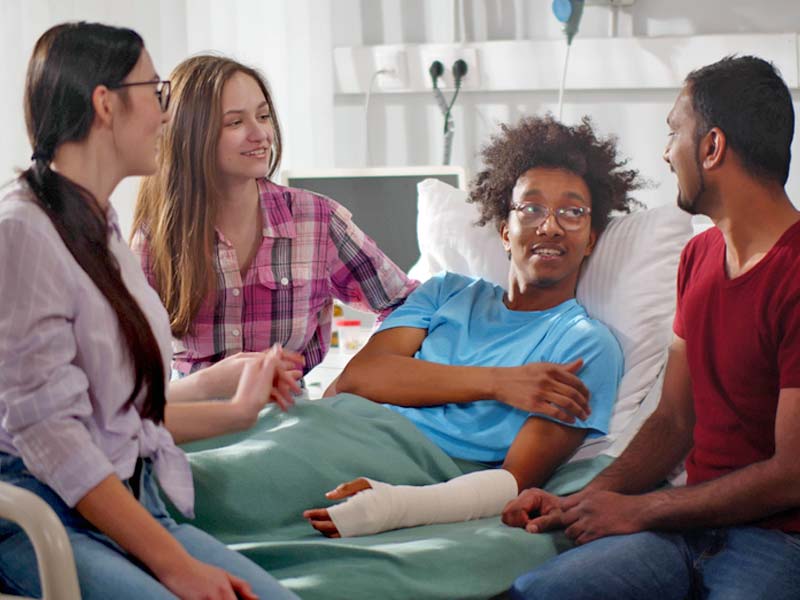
(68, 62)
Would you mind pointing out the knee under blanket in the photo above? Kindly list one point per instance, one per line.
(252, 487)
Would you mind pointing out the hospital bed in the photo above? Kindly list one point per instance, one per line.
(251, 488)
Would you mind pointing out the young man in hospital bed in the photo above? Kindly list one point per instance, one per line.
(513, 379)
(731, 394)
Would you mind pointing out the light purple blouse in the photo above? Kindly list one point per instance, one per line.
(65, 375)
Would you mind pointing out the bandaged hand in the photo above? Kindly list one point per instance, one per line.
(373, 506)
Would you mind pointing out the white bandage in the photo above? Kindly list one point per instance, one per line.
(384, 507)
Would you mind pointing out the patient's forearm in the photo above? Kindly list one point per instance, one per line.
(406, 381)
(385, 507)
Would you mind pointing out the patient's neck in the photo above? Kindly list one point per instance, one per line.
(526, 296)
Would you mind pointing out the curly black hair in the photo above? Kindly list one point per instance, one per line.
(545, 142)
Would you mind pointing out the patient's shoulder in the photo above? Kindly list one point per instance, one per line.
(445, 286)
(453, 283)
(579, 329)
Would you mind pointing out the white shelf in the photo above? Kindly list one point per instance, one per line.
(611, 63)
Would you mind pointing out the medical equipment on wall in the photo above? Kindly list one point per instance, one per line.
(568, 12)
(436, 70)
(367, 98)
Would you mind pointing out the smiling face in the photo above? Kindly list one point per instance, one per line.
(245, 140)
(681, 154)
(547, 255)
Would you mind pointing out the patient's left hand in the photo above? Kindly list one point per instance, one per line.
(534, 510)
(319, 517)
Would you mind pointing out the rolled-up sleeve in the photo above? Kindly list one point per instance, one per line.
(361, 274)
(44, 399)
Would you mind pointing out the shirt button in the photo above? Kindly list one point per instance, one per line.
(235, 333)
(264, 232)
(235, 291)
(284, 281)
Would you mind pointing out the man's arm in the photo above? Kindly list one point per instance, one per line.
(661, 443)
(385, 371)
(665, 438)
(754, 492)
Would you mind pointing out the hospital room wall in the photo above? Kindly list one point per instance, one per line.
(292, 41)
(406, 128)
(289, 40)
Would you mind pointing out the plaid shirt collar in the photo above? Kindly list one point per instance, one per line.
(276, 213)
(276, 210)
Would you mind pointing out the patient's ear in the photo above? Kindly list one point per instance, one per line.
(592, 242)
(504, 238)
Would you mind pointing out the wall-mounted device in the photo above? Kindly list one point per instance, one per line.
(436, 70)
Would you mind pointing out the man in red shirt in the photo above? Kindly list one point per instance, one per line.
(731, 394)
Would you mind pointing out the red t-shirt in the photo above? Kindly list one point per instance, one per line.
(743, 345)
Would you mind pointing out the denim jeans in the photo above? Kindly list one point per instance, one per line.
(730, 563)
(104, 569)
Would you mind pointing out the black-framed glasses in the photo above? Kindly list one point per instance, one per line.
(163, 90)
(570, 218)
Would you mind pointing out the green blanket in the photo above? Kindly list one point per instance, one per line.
(252, 487)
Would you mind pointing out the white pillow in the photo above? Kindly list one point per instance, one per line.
(628, 283)
(450, 241)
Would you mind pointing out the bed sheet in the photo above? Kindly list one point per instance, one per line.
(252, 487)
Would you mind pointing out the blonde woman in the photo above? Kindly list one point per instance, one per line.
(241, 262)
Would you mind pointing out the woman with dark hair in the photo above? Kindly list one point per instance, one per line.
(85, 343)
(239, 261)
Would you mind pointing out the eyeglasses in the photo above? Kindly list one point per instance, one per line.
(163, 89)
(570, 218)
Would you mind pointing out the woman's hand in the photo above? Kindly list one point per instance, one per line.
(195, 580)
(547, 388)
(221, 379)
(264, 380)
(319, 517)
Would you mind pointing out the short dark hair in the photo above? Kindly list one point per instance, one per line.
(747, 99)
(545, 142)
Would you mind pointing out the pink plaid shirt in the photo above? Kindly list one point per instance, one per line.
(311, 253)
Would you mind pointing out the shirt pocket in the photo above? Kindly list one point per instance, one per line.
(288, 305)
(286, 278)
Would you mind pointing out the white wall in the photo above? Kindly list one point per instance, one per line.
(404, 128)
(292, 41)
(289, 40)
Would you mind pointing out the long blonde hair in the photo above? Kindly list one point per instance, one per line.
(177, 206)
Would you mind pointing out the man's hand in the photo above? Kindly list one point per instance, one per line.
(594, 514)
(535, 510)
(319, 517)
(547, 388)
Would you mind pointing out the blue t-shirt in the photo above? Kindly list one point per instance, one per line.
(468, 324)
